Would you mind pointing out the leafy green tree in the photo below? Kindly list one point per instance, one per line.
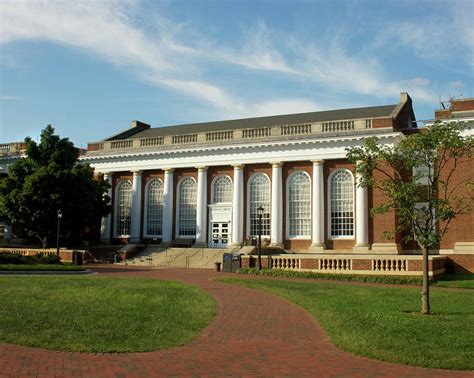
(417, 182)
(47, 179)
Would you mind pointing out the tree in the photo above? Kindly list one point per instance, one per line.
(418, 183)
(47, 179)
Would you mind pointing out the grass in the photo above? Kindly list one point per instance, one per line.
(101, 314)
(384, 322)
(40, 267)
(464, 281)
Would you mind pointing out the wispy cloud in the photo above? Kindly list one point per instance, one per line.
(10, 98)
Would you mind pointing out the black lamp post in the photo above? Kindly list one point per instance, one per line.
(59, 215)
(260, 214)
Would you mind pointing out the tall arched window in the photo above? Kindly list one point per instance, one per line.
(123, 200)
(259, 195)
(222, 189)
(154, 208)
(187, 189)
(299, 205)
(341, 204)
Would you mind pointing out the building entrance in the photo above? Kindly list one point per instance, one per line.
(220, 234)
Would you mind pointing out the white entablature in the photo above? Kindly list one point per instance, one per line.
(293, 150)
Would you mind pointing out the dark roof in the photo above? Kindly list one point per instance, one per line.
(246, 123)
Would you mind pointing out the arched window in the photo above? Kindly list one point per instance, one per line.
(222, 189)
(259, 195)
(341, 204)
(154, 208)
(123, 200)
(187, 189)
(299, 205)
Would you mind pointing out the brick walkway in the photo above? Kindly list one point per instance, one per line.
(253, 334)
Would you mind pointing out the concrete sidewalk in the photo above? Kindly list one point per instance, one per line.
(253, 334)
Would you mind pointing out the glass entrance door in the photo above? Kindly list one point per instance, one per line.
(220, 234)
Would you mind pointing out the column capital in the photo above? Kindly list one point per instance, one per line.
(107, 175)
(168, 170)
(202, 168)
(137, 173)
(317, 162)
(276, 164)
(238, 166)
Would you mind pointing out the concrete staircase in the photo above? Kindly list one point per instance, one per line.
(201, 258)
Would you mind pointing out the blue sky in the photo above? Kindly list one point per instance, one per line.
(91, 67)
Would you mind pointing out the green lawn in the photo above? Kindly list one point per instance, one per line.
(41, 267)
(101, 314)
(384, 322)
(465, 281)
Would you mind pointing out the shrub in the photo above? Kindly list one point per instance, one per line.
(397, 280)
(40, 258)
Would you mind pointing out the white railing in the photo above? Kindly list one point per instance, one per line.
(390, 265)
(257, 133)
(287, 263)
(151, 142)
(337, 126)
(335, 264)
(296, 129)
(219, 135)
(183, 139)
(119, 144)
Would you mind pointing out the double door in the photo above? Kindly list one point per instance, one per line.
(220, 234)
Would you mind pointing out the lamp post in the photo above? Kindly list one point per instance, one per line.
(59, 216)
(260, 214)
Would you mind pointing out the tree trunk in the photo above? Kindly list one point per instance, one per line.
(425, 294)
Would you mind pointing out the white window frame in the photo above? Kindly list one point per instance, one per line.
(178, 199)
(295, 237)
(145, 215)
(213, 189)
(329, 219)
(117, 208)
(249, 181)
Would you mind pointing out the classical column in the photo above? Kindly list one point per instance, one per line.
(106, 224)
(318, 206)
(168, 207)
(276, 210)
(362, 217)
(238, 205)
(136, 207)
(201, 211)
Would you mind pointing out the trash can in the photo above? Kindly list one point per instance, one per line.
(235, 262)
(78, 258)
(227, 262)
(116, 257)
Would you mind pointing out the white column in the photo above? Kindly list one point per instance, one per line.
(136, 207)
(201, 210)
(168, 207)
(318, 205)
(238, 205)
(276, 210)
(106, 224)
(7, 232)
(362, 217)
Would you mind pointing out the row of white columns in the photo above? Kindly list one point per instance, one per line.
(276, 224)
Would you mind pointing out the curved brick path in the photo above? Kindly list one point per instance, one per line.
(254, 333)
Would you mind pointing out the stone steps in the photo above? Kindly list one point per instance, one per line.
(201, 258)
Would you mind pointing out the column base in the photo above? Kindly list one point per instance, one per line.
(200, 245)
(361, 248)
(276, 245)
(165, 243)
(386, 248)
(317, 247)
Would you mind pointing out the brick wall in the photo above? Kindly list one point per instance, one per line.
(460, 263)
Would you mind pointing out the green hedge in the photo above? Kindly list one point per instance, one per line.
(40, 258)
(40, 267)
(397, 280)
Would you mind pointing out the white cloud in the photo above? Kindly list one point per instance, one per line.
(10, 98)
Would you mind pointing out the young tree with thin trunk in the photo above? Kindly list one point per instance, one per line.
(418, 183)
